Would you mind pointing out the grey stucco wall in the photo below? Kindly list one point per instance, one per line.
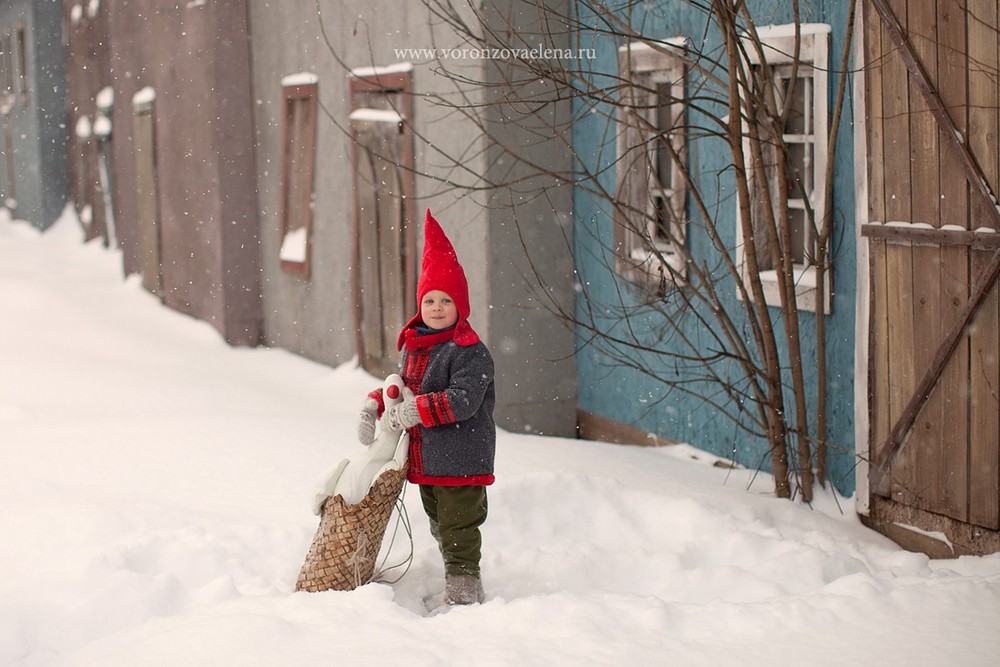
(529, 250)
(315, 316)
(307, 316)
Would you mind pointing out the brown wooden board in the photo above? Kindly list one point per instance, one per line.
(896, 130)
(953, 63)
(928, 436)
(899, 259)
(927, 439)
(925, 151)
(902, 374)
(984, 422)
(983, 97)
(950, 493)
(875, 72)
(879, 424)
(875, 112)
(966, 238)
(880, 415)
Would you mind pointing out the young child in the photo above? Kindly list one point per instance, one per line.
(448, 410)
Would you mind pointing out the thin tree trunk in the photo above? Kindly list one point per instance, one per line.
(772, 367)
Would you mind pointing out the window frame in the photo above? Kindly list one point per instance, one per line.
(298, 90)
(8, 84)
(21, 57)
(642, 68)
(778, 42)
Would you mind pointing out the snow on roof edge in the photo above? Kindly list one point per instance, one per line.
(378, 70)
(376, 115)
(299, 79)
(145, 96)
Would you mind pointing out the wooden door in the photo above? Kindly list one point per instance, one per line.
(381, 219)
(385, 275)
(934, 352)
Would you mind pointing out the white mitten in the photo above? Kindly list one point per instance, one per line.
(366, 422)
(404, 415)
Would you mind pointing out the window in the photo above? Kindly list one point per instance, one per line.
(23, 87)
(804, 138)
(6, 74)
(651, 227)
(298, 158)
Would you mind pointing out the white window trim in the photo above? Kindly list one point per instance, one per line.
(660, 64)
(778, 44)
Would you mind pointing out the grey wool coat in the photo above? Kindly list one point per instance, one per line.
(455, 442)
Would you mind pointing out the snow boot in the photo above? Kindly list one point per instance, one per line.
(462, 589)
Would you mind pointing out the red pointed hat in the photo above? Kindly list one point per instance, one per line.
(440, 270)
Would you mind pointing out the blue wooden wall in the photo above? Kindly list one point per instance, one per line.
(635, 398)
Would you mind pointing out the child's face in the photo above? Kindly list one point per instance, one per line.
(437, 310)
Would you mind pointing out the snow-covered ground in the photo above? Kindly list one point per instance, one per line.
(155, 488)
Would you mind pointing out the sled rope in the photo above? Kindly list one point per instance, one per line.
(357, 559)
(402, 519)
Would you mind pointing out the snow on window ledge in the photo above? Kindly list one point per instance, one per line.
(299, 79)
(294, 246)
(376, 116)
(380, 70)
(805, 288)
(648, 266)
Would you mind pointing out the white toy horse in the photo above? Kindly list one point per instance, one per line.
(352, 478)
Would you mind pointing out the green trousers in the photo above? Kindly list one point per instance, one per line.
(456, 513)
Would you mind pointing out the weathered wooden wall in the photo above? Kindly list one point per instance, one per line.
(924, 260)
(196, 57)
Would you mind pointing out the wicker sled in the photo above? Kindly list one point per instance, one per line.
(349, 537)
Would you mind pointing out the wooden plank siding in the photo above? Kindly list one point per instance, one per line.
(984, 385)
(385, 229)
(921, 280)
(879, 423)
(984, 426)
(952, 65)
(899, 257)
(950, 492)
(928, 438)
